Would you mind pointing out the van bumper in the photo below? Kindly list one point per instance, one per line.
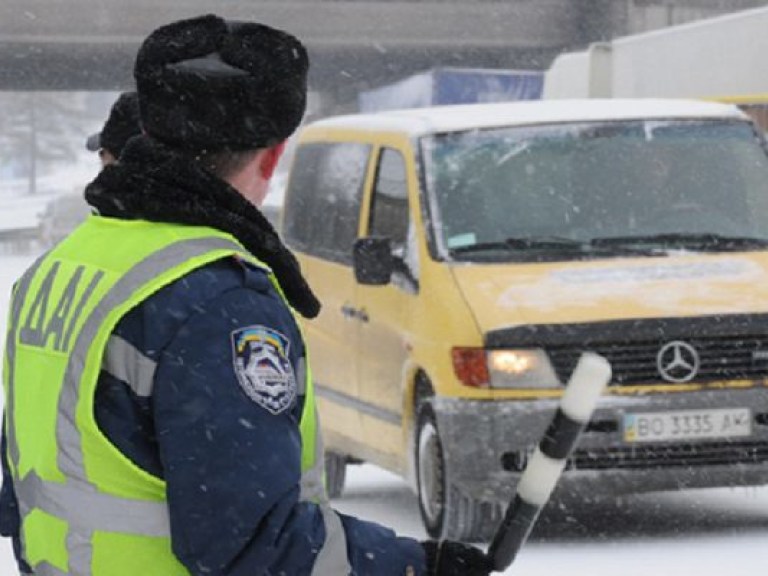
(486, 444)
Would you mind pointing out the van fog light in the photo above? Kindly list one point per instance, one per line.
(521, 369)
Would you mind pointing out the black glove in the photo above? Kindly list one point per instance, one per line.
(447, 558)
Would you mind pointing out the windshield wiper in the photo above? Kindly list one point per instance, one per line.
(706, 240)
(558, 244)
(524, 243)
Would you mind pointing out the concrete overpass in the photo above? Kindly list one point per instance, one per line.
(354, 45)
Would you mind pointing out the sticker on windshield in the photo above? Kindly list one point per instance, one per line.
(467, 239)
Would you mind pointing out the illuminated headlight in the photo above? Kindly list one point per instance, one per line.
(521, 369)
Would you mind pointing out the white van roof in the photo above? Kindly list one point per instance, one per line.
(437, 119)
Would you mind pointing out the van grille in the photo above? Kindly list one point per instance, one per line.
(668, 455)
(722, 358)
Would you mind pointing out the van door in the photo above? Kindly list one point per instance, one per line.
(384, 312)
(321, 222)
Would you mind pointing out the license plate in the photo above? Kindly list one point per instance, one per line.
(687, 425)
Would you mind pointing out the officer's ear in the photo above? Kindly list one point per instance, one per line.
(270, 159)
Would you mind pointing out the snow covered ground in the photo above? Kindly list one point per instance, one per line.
(693, 533)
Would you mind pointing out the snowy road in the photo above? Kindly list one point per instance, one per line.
(694, 533)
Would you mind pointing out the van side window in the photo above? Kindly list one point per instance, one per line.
(323, 199)
(389, 209)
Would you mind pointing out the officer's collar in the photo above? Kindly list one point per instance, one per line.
(151, 182)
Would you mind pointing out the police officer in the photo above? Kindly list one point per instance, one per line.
(122, 124)
(160, 409)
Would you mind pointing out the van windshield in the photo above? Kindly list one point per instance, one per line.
(568, 191)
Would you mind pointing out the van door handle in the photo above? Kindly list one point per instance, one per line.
(348, 311)
(355, 313)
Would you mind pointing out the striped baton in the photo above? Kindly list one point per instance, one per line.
(587, 382)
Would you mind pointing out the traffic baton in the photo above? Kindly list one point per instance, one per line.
(589, 379)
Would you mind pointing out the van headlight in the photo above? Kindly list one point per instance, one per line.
(521, 369)
(514, 368)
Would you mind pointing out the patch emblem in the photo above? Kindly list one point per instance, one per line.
(262, 367)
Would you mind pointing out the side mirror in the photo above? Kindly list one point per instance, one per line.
(373, 261)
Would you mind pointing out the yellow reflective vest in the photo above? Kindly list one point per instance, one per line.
(85, 508)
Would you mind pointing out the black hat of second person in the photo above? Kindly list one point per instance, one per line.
(121, 125)
(210, 84)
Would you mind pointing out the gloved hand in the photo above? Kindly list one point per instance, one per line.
(447, 558)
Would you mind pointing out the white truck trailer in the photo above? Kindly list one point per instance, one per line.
(716, 59)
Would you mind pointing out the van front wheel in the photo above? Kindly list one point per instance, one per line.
(445, 511)
(430, 473)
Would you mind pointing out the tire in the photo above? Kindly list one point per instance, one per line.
(446, 512)
(335, 473)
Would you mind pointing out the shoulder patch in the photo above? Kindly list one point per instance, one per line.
(262, 367)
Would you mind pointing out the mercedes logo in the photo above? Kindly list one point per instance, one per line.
(678, 361)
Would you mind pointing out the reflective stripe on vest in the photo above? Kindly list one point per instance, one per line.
(20, 292)
(123, 361)
(77, 500)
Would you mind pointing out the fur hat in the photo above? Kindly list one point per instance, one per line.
(210, 84)
(122, 124)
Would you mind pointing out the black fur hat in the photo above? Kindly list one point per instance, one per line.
(210, 84)
(121, 125)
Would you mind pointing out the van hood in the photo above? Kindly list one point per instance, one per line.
(509, 295)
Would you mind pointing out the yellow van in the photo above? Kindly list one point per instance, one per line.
(466, 256)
